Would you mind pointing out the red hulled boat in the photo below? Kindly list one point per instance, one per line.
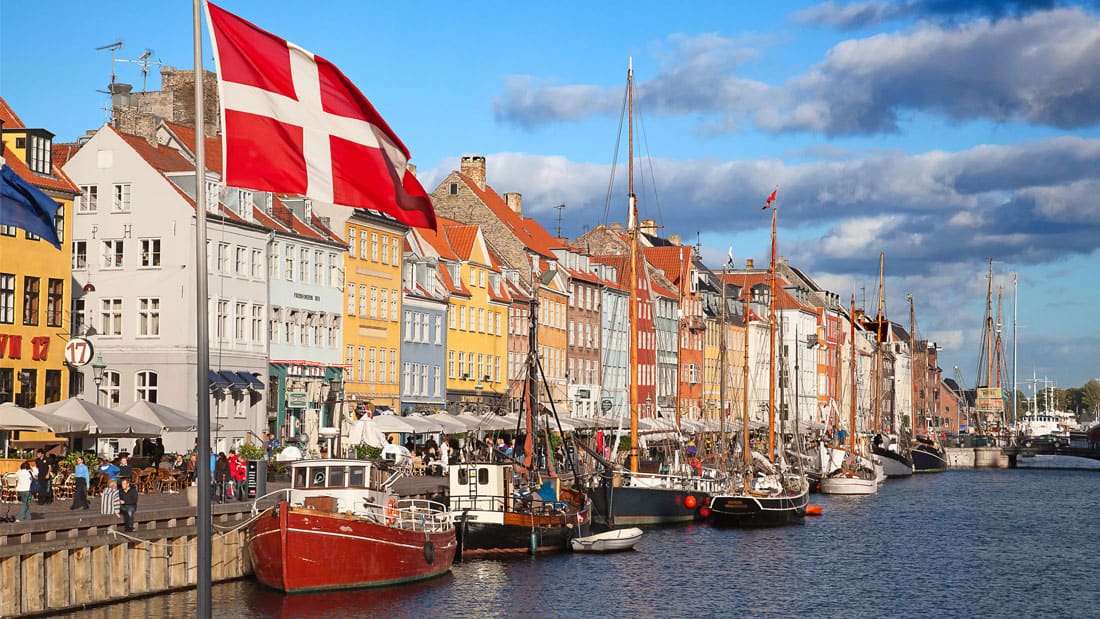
(341, 527)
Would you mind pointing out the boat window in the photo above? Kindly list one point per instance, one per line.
(299, 478)
(336, 477)
(463, 477)
(317, 477)
(483, 476)
(358, 474)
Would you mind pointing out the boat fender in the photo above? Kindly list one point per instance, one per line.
(429, 552)
(391, 511)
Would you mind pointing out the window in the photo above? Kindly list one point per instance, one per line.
(462, 317)
(30, 300)
(374, 246)
(121, 203)
(371, 376)
(288, 258)
(333, 270)
(454, 189)
(112, 381)
(80, 318)
(59, 223)
(393, 365)
(362, 362)
(38, 155)
(384, 309)
(450, 318)
(450, 364)
(273, 261)
(223, 257)
(213, 192)
(53, 386)
(362, 301)
(374, 301)
(150, 252)
(385, 249)
(112, 254)
(240, 321)
(436, 381)
(352, 236)
(381, 365)
(242, 261)
(89, 199)
(438, 329)
(55, 293)
(406, 369)
(145, 386)
(318, 267)
(222, 322)
(8, 230)
(258, 324)
(395, 256)
(110, 316)
(303, 265)
(257, 264)
(244, 202)
(363, 245)
(393, 305)
(351, 300)
(7, 298)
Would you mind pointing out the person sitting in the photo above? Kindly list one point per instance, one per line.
(110, 468)
(124, 470)
(108, 505)
(127, 501)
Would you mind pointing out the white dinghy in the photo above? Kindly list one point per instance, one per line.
(615, 540)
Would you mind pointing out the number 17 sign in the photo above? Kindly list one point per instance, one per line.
(78, 351)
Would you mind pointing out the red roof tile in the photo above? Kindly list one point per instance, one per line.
(527, 230)
(213, 145)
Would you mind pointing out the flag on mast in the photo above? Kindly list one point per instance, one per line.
(22, 205)
(293, 123)
(771, 198)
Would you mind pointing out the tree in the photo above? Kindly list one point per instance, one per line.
(1090, 400)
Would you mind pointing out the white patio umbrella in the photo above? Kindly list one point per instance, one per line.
(393, 423)
(76, 416)
(16, 419)
(450, 423)
(171, 419)
(422, 424)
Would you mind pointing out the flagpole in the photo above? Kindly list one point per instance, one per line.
(203, 608)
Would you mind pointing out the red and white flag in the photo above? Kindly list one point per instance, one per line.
(771, 198)
(293, 123)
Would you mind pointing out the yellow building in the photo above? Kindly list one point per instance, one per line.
(35, 277)
(477, 320)
(372, 321)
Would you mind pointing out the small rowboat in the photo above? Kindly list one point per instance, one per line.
(616, 540)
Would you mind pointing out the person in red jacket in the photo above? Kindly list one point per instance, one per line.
(237, 469)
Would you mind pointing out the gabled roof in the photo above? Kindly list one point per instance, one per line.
(675, 261)
(57, 180)
(783, 298)
(528, 231)
(186, 135)
(622, 267)
(267, 221)
(462, 238)
(283, 213)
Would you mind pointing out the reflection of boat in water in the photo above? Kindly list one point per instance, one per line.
(343, 514)
(615, 540)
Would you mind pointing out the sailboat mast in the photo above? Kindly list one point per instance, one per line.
(913, 353)
(632, 233)
(771, 346)
(530, 393)
(722, 359)
(852, 378)
(989, 328)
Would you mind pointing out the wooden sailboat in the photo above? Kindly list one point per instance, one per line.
(890, 444)
(928, 455)
(765, 490)
(854, 477)
(516, 507)
(624, 496)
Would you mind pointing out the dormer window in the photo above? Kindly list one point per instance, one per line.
(39, 158)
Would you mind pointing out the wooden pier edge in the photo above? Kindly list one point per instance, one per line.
(51, 567)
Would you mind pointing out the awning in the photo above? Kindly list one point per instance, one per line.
(234, 379)
(252, 381)
(217, 382)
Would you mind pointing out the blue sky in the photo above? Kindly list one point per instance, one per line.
(943, 133)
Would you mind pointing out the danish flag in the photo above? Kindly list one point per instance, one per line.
(293, 123)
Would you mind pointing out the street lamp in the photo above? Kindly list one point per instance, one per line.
(98, 368)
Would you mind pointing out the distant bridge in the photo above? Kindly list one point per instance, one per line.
(1054, 449)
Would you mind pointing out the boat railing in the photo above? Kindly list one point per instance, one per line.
(281, 491)
(710, 481)
(411, 514)
(517, 502)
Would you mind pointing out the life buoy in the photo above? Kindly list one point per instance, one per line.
(391, 511)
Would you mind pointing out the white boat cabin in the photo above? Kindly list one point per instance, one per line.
(350, 483)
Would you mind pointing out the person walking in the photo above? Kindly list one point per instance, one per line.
(108, 505)
(45, 478)
(83, 480)
(23, 478)
(127, 503)
(238, 470)
(221, 476)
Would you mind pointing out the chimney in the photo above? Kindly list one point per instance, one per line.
(748, 264)
(411, 167)
(473, 168)
(515, 202)
(674, 239)
(648, 224)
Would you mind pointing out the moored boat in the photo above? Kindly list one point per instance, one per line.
(342, 514)
(616, 540)
(928, 456)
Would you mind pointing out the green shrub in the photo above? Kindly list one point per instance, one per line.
(251, 452)
(364, 451)
(91, 460)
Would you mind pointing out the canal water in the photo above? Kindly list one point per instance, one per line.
(965, 543)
